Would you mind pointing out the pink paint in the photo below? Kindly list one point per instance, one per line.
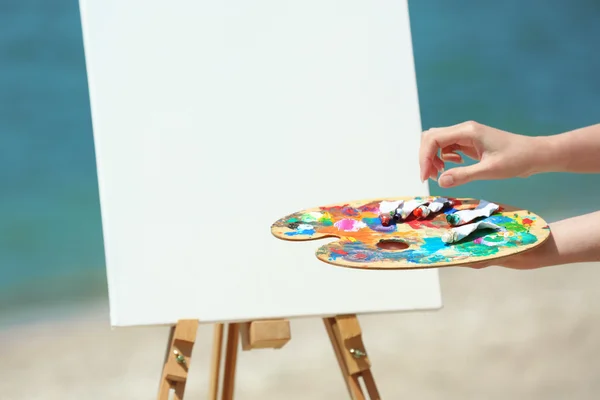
(349, 225)
(479, 240)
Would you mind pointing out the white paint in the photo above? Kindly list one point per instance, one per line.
(355, 226)
(311, 216)
(198, 104)
(437, 204)
(305, 227)
(483, 209)
(461, 232)
(386, 207)
(409, 206)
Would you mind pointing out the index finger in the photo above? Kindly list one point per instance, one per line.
(437, 138)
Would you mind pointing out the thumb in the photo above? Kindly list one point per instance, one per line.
(461, 175)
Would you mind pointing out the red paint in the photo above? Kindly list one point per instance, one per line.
(334, 209)
(418, 213)
(370, 207)
(346, 209)
(420, 224)
(351, 211)
(360, 256)
(339, 251)
(385, 219)
(527, 221)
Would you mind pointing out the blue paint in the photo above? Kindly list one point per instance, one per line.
(499, 219)
(433, 244)
(302, 230)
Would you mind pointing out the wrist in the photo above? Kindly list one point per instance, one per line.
(550, 154)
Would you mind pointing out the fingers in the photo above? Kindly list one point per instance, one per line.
(438, 163)
(461, 175)
(450, 153)
(434, 168)
(439, 167)
(440, 138)
(452, 157)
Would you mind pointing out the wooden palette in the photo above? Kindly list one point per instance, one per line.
(413, 243)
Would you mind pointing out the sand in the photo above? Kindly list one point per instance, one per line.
(502, 335)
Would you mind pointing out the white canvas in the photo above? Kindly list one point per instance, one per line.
(212, 119)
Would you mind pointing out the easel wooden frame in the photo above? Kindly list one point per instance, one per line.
(344, 333)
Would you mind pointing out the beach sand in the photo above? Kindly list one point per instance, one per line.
(502, 334)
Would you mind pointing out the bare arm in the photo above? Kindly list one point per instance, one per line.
(572, 240)
(576, 151)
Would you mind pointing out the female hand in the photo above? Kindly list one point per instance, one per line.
(500, 154)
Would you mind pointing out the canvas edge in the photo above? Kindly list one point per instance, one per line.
(111, 283)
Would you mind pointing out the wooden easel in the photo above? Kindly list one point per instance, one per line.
(344, 332)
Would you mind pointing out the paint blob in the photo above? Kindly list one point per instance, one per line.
(349, 225)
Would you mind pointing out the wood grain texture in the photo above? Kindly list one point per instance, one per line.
(345, 335)
(177, 359)
(357, 226)
(215, 362)
(265, 334)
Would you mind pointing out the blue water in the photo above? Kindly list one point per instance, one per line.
(530, 67)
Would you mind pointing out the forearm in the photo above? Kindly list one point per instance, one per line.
(572, 240)
(576, 151)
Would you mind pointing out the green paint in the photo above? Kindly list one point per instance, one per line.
(527, 238)
(514, 226)
(326, 221)
(472, 249)
(494, 238)
(308, 218)
(452, 219)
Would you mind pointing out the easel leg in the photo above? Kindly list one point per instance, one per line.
(370, 384)
(177, 359)
(165, 385)
(215, 368)
(233, 337)
(352, 384)
(346, 338)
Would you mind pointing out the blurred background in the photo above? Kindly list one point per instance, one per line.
(529, 67)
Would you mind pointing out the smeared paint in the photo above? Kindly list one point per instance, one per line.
(432, 249)
(346, 209)
(311, 217)
(302, 229)
(359, 233)
(326, 219)
(376, 225)
(350, 211)
(349, 225)
(420, 224)
(369, 207)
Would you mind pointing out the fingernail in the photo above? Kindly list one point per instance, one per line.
(446, 180)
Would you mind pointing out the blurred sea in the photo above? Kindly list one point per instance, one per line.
(529, 67)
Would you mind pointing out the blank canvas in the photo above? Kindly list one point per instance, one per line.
(212, 119)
